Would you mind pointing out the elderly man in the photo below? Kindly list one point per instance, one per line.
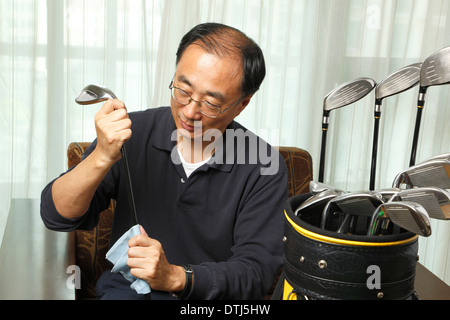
(209, 204)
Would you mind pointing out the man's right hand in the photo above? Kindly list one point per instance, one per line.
(72, 193)
(113, 127)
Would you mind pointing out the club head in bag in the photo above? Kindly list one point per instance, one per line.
(318, 187)
(407, 215)
(436, 201)
(357, 204)
(341, 96)
(443, 156)
(94, 94)
(386, 194)
(317, 201)
(433, 173)
(435, 71)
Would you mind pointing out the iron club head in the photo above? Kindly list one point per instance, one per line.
(436, 201)
(433, 173)
(355, 203)
(318, 187)
(318, 201)
(408, 215)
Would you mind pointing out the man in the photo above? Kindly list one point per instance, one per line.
(211, 227)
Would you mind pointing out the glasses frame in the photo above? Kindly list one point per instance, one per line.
(219, 111)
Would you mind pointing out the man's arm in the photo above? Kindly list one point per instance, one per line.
(73, 192)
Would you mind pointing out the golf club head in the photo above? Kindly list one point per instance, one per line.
(408, 215)
(317, 201)
(94, 94)
(435, 69)
(318, 187)
(386, 194)
(433, 173)
(361, 203)
(436, 201)
(443, 156)
(399, 81)
(348, 93)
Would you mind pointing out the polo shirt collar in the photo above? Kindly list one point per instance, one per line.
(163, 141)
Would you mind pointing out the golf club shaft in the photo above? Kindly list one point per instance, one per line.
(129, 187)
(373, 166)
(323, 146)
(420, 105)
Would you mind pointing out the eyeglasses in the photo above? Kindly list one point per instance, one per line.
(206, 108)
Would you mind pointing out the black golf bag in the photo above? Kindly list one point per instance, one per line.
(321, 265)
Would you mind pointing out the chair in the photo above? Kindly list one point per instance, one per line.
(91, 246)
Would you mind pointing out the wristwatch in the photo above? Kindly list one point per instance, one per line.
(187, 286)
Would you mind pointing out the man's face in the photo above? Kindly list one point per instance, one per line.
(207, 77)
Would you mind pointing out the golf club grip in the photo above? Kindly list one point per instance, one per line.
(129, 187)
(412, 160)
(373, 167)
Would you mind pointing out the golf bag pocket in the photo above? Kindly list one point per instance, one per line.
(321, 264)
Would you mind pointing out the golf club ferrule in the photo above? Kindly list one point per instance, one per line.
(421, 99)
(377, 112)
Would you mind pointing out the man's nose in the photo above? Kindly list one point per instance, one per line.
(192, 110)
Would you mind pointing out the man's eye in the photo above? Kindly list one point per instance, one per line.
(211, 105)
(184, 93)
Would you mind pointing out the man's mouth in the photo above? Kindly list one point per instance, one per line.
(187, 126)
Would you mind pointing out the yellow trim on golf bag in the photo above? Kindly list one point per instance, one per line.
(322, 238)
(288, 293)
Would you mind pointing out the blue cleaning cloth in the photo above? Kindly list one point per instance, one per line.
(118, 255)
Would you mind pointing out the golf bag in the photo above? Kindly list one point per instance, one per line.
(324, 265)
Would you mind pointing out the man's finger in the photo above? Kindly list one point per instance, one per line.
(111, 105)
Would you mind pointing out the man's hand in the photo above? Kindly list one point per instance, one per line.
(113, 127)
(73, 192)
(147, 261)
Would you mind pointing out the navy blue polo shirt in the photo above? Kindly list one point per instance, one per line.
(225, 220)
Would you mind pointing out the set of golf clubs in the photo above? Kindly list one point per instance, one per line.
(418, 194)
(435, 70)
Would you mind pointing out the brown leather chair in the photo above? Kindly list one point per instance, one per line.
(91, 246)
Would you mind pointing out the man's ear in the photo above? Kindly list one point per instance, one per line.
(244, 103)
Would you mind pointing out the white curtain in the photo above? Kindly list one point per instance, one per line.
(49, 50)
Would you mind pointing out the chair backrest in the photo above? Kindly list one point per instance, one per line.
(91, 246)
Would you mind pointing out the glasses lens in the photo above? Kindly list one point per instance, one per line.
(209, 110)
(180, 96)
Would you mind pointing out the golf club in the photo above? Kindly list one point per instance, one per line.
(444, 156)
(433, 173)
(435, 71)
(318, 201)
(407, 215)
(357, 204)
(386, 194)
(341, 96)
(318, 187)
(95, 94)
(436, 201)
(399, 81)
